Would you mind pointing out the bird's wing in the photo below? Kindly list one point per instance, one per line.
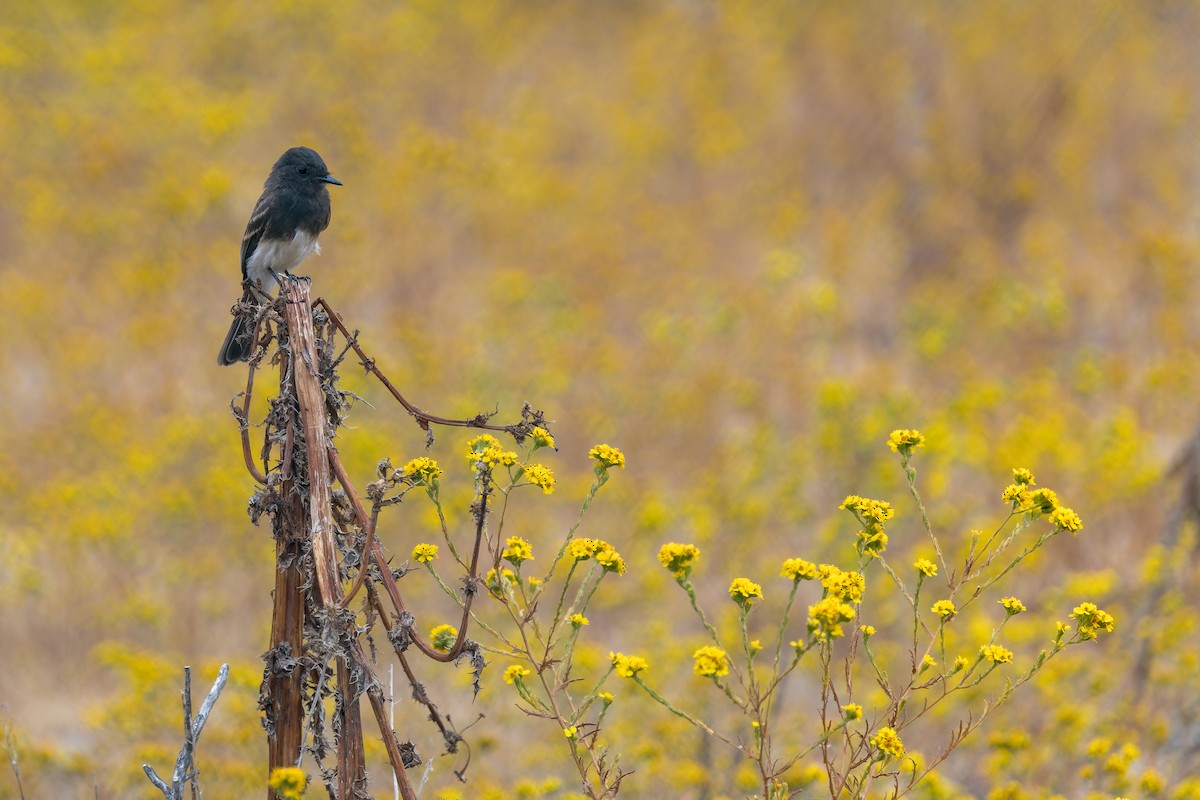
(255, 229)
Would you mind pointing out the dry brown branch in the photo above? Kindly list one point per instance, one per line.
(321, 549)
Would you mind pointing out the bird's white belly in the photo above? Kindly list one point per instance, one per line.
(276, 256)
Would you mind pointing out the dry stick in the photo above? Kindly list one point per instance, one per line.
(174, 791)
(310, 398)
(244, 424)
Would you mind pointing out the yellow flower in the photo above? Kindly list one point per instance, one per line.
(1043, 500)
(607, 457)
(583, 549)
(678, 558)
(744, 591)
(927, 662)
(996, 654)
(845, 586)
(887, 742)
(424, 553)
(852, 711)
(571, 732)
(541, 476)
(484, 452)
(578, 620)
(944, 609)
(1065, 519)
(1023, 476)
(422, 470)
(611, 560)
(797, 569)
(605, 697)
(1016, 495)
(960, 663)
(288, 782)
(443, 637)
(925, 567)
(872, 514)
(483, 441)
(1090, 618)
(710, 661)
(1152, 782)
(903, 441)
(867, 510)
(867, 630)
(541, 438)
(515, 672)
(627, 666)
(494, 581)
(517, 550)
(1012, 605)
(755, 646)
(825, 618)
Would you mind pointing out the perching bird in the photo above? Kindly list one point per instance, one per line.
(282, 232)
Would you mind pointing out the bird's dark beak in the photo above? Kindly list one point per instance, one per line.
(331, 179)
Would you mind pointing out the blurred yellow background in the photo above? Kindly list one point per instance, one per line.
(740, 240)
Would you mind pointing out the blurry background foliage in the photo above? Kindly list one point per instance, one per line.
(740, 240)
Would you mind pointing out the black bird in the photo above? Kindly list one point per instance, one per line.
(282, 232)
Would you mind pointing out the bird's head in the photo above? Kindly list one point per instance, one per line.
(303, 164)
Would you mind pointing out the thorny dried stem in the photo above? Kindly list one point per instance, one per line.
(340, 552)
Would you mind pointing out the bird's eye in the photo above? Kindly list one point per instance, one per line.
(304, 170)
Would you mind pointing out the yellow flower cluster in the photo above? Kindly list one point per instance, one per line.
(288, 782)
(1091, 619)
(517, 550)
(422, 470)
(515, 672)
(1012, 605)
(852, 711)
(996, 654)
(797, 569)
(539, 475)
(846, 587)
(678, 558)
(710, 661)
(607, 457)
(744, 591)
(578, 620)
(443, 637)
(571, 732)
(493, 580)
(485, 452)
(1037, 502)
(1043, 500)
(944, 609)
(825, 618)
(903, 441)
(424, 553)
(541, 438)
(925, 567)
(887, 742)
(1066, 519)
(872, 540)
(627, 666)
(604, 553)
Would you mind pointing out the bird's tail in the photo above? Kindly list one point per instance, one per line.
(239, 341)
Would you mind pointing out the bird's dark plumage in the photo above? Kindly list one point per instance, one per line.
(283, 228)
